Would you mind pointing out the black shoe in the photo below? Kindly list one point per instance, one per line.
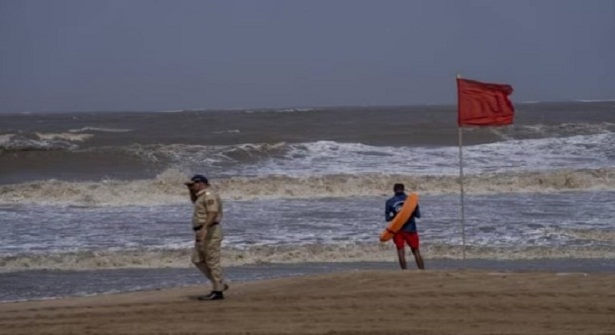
(205, 297)
(214, 295)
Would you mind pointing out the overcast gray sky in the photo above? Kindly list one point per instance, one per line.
(158, 55)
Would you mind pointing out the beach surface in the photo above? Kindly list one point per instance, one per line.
(356, 302)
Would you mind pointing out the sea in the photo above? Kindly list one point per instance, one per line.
(94, 202)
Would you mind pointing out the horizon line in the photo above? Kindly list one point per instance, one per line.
(214, 109)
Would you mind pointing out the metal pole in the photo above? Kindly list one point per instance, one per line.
(463, 219)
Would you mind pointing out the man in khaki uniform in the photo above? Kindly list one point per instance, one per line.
(208, 234)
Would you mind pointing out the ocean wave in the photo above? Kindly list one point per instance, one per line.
(281, 110)
(548, 131)
(41, 141)
(179, 258)
(592, 150)
(172, 111)
(64, 136)
(99, 129)
(229, 131)
(167, 188)
(182, 154)
(594, 100)
(5, 138)
(331, 157)
(593, 235)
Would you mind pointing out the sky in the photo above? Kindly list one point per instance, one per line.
(123, 55)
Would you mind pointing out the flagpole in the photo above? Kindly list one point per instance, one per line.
(479, 104)
(463, 219)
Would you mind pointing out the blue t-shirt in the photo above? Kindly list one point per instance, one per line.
(394, 205)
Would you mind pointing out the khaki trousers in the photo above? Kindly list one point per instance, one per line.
(206, 257)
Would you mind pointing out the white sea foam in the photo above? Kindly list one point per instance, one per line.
(590, 151)
(168, 188)
(291, 110)
(41, 141)
(594, 235)
(5, 139)
(172, 111)
(328, 157)
(280, 110)
(64, 136)
(99, 129)
(583, 151)
(595, 100)
(179, 258)
(229, 131)
(548, 131)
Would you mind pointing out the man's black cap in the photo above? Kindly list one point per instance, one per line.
(197, 178)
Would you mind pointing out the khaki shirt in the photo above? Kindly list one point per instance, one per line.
(207, 201)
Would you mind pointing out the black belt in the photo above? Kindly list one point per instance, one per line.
(201, 226)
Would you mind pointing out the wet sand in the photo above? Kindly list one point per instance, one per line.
(358, 302)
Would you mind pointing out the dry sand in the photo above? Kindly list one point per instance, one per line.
(366, 302)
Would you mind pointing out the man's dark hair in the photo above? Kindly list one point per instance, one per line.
(398, 187)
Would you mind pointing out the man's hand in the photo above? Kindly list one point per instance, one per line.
(200, 234)
(192, 193)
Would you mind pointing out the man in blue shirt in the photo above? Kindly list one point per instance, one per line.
(408, 233)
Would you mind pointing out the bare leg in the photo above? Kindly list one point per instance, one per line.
(401, 255)
(418, 258)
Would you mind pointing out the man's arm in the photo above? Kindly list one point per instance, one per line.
(213, 206)
(388, 210)
(201, 220)
(210, 219)
(208, 222)
(417, 212)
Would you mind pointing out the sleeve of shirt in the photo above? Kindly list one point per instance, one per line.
(200, 211)
(212, 203)
(388, 211)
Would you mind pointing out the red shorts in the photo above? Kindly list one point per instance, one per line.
(403, 236)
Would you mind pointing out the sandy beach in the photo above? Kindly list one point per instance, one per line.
(358, 302)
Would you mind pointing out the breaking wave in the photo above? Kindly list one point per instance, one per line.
(167, 188)
(178, 258)
(594, 100)
(99, 129)
(209, 155)
(547, 131)
(42, 141)
(281, 110)
(64, 136)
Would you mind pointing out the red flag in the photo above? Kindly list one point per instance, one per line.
(484, 104)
